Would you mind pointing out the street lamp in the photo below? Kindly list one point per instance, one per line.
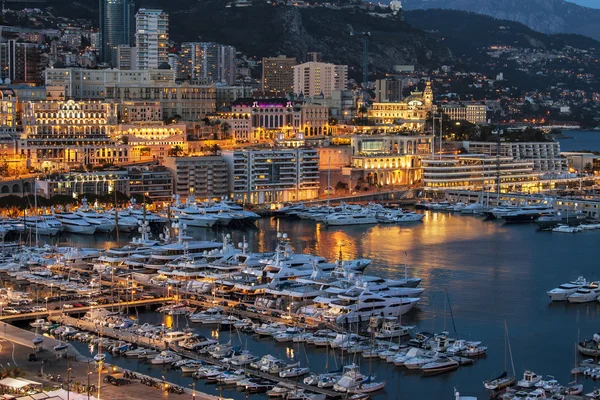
(1, 308)
(46, 298)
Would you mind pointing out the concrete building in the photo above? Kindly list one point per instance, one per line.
(20, 62)
(471, 171)
(546, 156)
(76, 184)
(206, 177)
(208, 60)
(259, 176)
(90, 84)
(117, 26)
(155, 183)
(151, 38)
(226, 95)
(278, 74)
(126, 57)
(62, 134)
(388, 90)
(316, 78)
(474, 113)
(139, 111)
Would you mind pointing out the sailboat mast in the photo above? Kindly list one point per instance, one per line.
(509, 349)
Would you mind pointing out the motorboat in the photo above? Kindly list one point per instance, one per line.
(281, 389)
(566, 289)
(473, 208)
(293, 372)
(351, 379)
(165, 357)
(369, 387)
(529, 380)
(566, 229)
(391, 328)
(585, 294)
(590, 348)
(440, 366)
(344, 218)
(38, 323)
(100, 357)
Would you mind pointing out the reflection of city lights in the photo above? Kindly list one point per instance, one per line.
(289, 352)
(214, 334)
(169, 321)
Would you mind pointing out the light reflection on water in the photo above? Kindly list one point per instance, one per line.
(491, 272)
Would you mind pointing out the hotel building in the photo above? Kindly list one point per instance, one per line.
(259, 176)
(62, 134)
(473, 113)
(545, 156)
(471, 171)
(278, 74)
(148, 141)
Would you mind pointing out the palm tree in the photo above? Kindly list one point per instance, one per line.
(225, 129)
(176, 151)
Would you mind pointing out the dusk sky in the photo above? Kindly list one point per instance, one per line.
(587, 3)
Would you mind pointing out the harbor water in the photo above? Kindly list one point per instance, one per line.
(491, 272)
(577, 140)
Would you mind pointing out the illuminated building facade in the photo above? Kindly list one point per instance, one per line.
(259, 176)
(278, 74)
(410, 113)
(62, 134)
(473, 113)
(151, 37)
(319, 79)
(470, 171)
(153, 140)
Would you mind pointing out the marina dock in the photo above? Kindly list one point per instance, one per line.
(159, 345)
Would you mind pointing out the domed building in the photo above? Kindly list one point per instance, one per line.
(408, 114)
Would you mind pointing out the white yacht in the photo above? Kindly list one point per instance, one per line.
(74, 223)
(102, 224)
(566, 289)
(391, 328)
(350, 380)
(529, 380)
(46, 225)
(345, 218)
(123, 219)
(473, 208)
(585, 294)
(190, 214)
(399, 216)
(165, 357)
(359, 305)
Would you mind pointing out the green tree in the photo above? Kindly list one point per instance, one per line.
(176, 151)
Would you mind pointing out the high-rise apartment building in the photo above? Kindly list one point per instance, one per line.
(259, 176)
(151, 37)
(126, 58)
(278, 74)
(208, 60)
(20, 62)
(316, 78)
(117, 25)
(388, 90)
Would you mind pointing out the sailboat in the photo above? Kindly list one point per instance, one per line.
(100, 357)
(504, 380)
(368, 386)
(294, 370)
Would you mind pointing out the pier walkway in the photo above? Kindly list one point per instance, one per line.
(159, 345)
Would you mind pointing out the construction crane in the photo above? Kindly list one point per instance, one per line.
(364, 36)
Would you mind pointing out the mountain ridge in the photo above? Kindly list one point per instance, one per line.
(547, 16)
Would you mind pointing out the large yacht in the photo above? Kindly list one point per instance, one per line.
(101, 223)
(566, 289)
(346, 218)
(191, 215)
(46, 225)
(74, 223)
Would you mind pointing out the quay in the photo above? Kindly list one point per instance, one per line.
(159, 345)
(80, 310)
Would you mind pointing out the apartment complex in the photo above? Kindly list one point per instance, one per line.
(20, 62)
(388, 90)
(151, 38)
(472, 171)
(317, 78)
(206, 177)
(117, 26)
(260, 176)
(155, 183)
(545, 156)
(473, 113)
(126, 57)
(207, 60)
(278, 74)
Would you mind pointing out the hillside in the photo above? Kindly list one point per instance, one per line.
(267, 30)
(547, 16)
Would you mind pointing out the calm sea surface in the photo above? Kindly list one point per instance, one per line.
(580, 140)
(492, 272)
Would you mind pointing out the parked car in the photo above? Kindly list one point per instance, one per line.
(11, 310)
(121, 382)
(39, 309)
(109, 379)
(67, 306)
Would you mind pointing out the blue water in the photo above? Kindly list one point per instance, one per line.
(492, 273)
(580, 140)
